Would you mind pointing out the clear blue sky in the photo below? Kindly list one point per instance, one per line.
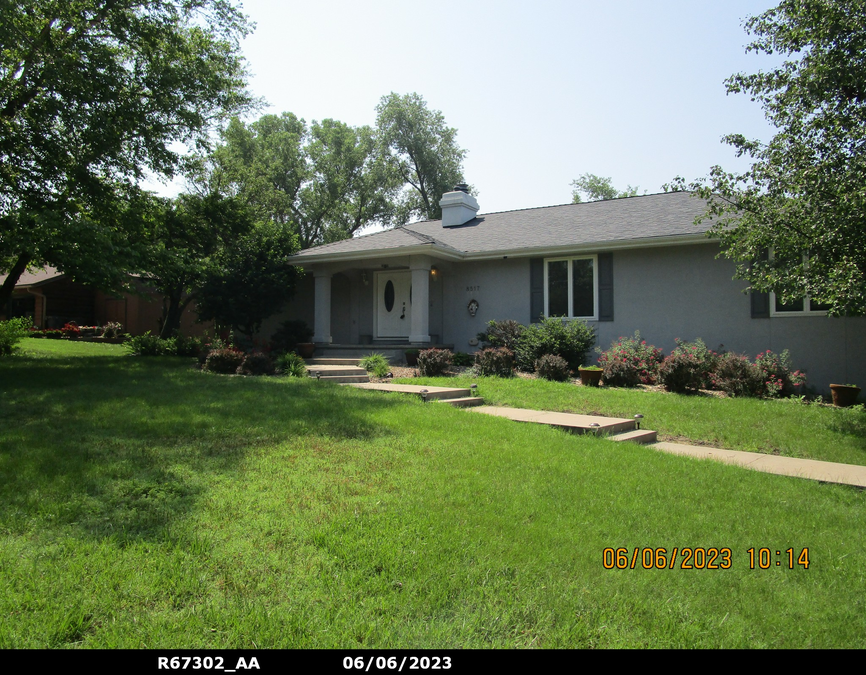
(540, 92)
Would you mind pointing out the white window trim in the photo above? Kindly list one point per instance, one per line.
(594, 259)
(806, 311)
(807, 303)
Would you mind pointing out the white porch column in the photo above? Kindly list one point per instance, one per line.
(322, 308)
(420, 328)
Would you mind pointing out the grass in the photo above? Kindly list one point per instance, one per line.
(783, 427)
(144, 504)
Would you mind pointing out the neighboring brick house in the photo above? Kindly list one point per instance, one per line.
(637, 263)
(51, 300)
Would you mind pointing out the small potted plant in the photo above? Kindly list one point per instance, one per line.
(844, 395)
(590, 376)
(412, 357)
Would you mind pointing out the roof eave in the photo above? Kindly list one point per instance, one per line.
(589, 247)
(419, 249)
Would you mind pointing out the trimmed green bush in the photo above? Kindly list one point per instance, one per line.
(434, 362)
(688, 368)
(224, 361)
(256, 363)
(502, 334)
(735, 375)
(552, 367)
(463, 359)
(495, 362)
(569, 338)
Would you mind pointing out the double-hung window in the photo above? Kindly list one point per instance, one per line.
(799, 307)
(571, 287)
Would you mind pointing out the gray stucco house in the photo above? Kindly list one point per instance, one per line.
(638, 263)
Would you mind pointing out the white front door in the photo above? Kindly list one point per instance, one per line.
(393, 304)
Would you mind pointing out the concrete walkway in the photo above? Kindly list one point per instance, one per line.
(618, 429)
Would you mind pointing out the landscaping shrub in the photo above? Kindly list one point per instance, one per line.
(494, 362)
(150, 345)
(434, 362)
(11, 332)
(256, 363)
(776, 374)
(735, 375)
(71, 330)
(291, 364)
(290, 335)
(225, 361)
(502, 334)
(688, 368)
(552, 367)
(630, 362)
(189, 346)
(570, 339)
(376, 364)
(112, 329)
(463, 359)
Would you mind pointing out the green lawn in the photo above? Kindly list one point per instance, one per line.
(146, 504)
(784, 427)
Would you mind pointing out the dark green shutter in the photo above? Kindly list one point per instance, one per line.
(761, 301)
(536, 289)
(605, 286)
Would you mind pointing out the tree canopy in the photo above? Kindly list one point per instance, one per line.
(804, 197)
(592, 188)
(93, 94)
(324, 183)
(422, 150)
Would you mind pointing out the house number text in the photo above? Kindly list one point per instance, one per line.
(472, 289)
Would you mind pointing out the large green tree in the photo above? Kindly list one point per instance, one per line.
(804, 197)
(94, 94)
(184, 238)
(592, 188)
(250, 280)
(324, 183)
(422, 150)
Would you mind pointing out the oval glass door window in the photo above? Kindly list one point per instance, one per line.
(389, 295)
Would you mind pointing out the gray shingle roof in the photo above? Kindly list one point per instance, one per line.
(574, 225)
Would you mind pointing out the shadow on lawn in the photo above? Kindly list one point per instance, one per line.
(123, 447)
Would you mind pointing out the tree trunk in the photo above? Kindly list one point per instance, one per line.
(14, 275)
(174, 312)
(171, 322)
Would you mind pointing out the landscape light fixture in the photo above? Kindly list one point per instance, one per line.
(474, 388)
(318, 375)
(424, 393)
(637, 420)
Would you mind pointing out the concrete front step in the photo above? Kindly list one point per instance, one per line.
(339, 374)
(433, 393)
(332, 362)
(580, 424)
(642, 436)
(344, 379)
(464, 401)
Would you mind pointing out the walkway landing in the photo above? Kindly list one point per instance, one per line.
(618, 429)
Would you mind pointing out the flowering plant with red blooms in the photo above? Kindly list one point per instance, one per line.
(689, 367)
(630, 361)
(777, 375)
(71, 330)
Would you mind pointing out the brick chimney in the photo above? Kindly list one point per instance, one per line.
(458, 206)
